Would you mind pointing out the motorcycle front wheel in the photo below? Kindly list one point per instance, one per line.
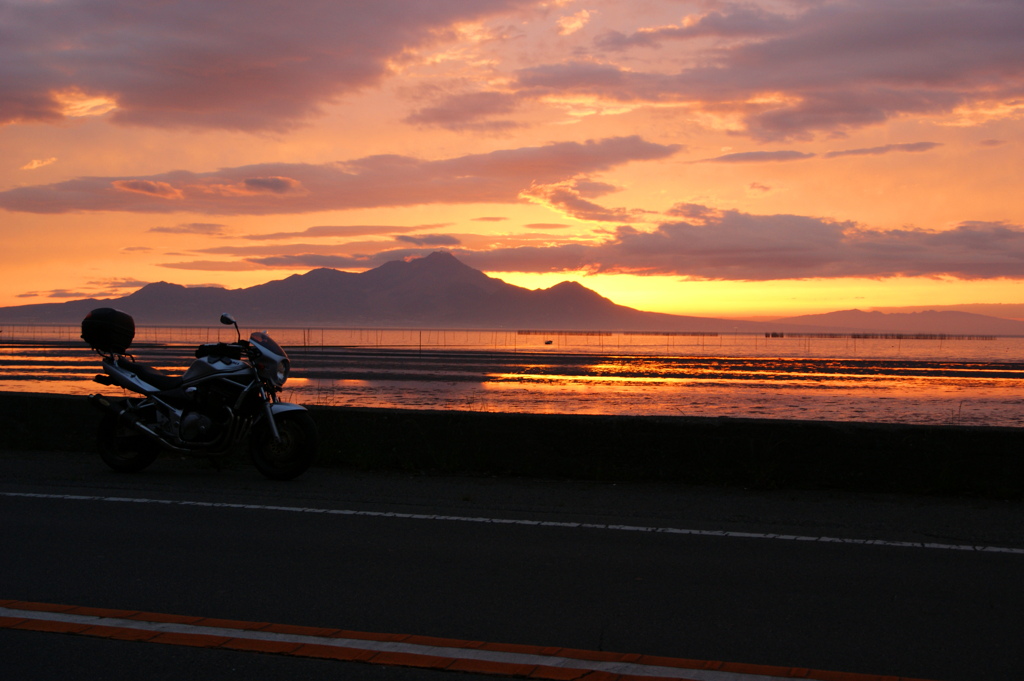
(295, 452)
(123, 448)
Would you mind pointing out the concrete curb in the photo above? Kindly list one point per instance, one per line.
(760, 453)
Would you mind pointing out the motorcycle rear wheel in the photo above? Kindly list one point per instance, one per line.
(122, 448)
(296, 451)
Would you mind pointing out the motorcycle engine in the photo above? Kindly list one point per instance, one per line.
(207, 412)
(195, 426)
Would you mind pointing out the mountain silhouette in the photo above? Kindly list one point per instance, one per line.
(925, 322)
(439, 291)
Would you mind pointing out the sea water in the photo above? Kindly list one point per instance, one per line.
(959, 380)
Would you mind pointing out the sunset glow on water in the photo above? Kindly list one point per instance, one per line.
(933, 380)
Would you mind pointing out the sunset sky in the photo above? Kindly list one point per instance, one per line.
(763, 158)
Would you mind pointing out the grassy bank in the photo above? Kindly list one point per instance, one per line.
(762, 453)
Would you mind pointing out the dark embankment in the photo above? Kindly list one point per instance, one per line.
(762, 453)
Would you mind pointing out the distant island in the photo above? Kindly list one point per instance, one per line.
(439, 291)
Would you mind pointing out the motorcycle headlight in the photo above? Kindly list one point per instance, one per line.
(276, 373)
(281, 372)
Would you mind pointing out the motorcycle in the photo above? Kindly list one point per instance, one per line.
(225, 402)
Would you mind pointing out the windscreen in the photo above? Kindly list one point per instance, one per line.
(267, 342)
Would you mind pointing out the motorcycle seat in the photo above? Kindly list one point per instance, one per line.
(154, 377)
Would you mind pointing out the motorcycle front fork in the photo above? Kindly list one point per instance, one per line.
(270, 415)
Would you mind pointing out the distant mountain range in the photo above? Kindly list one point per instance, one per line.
(927, 322)
(439, 291)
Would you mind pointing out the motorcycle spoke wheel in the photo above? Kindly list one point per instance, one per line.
(293, 454)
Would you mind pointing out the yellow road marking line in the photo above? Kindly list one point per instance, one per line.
(553, 663)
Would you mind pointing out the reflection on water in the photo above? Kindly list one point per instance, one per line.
(893, 398)
(881, 379)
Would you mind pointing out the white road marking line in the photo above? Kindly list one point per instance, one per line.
(533, 523)
(615, 667)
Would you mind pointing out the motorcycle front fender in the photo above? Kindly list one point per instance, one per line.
(272, 409)
(281, 407)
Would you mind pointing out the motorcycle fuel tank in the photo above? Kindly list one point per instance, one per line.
(204, 367)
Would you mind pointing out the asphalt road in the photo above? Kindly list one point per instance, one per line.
(575, 565)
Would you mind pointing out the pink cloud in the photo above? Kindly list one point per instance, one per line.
(760, 157)
(736, 21)
(713, 244)
(274, 188)
(813, 67)
(571, 198)
(429, 240)
(257, 186)
(213, 265)
(335, 231)
(703, 243)
(791, 155)
(837, 65)
(914, 147)
(205, 228)
(469, 111)
(192, 63)
(162, 190)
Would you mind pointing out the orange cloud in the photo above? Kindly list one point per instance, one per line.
(255, 186)
(385, 180)
(163, 190)
(711, 244)
(208, 65)
(569, 198)
(207, 228)
(703, 244)
(469, 111)
(829, 68)
(39, 163)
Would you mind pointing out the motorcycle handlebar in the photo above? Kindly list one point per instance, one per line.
(232, 350)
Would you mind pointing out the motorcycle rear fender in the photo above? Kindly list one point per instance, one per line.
(127, 379)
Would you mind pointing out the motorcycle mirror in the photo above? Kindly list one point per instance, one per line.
(229, 320)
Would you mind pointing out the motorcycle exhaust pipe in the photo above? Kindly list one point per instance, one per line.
(104, 404)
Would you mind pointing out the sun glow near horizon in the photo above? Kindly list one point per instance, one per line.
(742, 169)
(760, 299)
